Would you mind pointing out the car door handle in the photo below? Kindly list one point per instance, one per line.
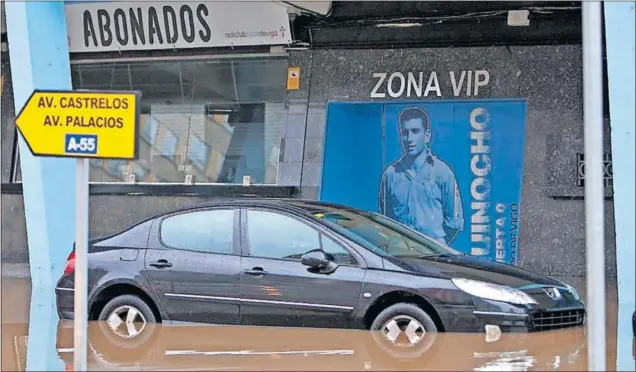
(160, 264)
(255, 271)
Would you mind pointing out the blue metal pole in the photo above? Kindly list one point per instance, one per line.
(38, 50)
(620, 39)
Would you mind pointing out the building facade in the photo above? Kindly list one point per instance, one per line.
(217, 110)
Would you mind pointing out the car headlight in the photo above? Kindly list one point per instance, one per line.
(570, 289)
(493, 291)
(575, 294)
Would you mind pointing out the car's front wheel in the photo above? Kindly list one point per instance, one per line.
(404, 330)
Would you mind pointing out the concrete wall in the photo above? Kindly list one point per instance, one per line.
(107, 214)
(14, 240)
(552, 237)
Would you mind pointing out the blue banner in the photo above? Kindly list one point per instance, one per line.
(450, 169)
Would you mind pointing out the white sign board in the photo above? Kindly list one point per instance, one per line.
(124, 26)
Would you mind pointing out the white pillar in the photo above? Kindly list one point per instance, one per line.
(594, 192)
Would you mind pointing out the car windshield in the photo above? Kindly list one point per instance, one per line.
(383, 235)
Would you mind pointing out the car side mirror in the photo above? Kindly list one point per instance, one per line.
(315, 259)
(318, 262)
(383, 242)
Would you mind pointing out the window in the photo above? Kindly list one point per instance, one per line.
(273, 235)
(336, 253)
(381, 234)
(216, 120)
(150, 127)
(209, 231)
(198, 153)
(169, 144)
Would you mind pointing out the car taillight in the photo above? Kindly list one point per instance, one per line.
(70, 264)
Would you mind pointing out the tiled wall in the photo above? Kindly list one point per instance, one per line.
(552, 237)
(550, 77)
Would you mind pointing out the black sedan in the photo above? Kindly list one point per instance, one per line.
(296, 263)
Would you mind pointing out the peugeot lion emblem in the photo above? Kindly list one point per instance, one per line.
(553, 293)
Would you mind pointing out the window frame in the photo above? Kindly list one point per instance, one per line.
(246, 250)
(236, 240)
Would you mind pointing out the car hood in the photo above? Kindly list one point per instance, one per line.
(477, 268)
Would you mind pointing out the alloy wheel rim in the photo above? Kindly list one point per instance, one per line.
(404, 331)
(126, 321)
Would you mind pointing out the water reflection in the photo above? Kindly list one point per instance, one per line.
(34, 339)
(40, 353)
(261, 348)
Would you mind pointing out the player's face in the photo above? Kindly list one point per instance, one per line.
(414, 136)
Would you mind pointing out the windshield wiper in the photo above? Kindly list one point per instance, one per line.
(416, 256)
(440, 255)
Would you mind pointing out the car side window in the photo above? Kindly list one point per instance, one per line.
(210, 231)
(336, 253)
(273, 235)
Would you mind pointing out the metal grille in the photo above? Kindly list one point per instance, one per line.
(608, 172)
(546, 302)
(543, 321)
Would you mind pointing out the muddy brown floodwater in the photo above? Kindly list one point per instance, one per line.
(194, 347)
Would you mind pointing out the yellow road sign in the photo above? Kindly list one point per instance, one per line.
(82, 124)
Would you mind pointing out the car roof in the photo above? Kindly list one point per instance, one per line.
(301, 205)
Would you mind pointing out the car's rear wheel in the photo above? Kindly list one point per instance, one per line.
(404, 330)
(126, 323)
(127, 317)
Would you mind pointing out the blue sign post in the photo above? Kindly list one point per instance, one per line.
(452, 170)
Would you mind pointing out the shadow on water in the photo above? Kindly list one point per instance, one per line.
(38, 341)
